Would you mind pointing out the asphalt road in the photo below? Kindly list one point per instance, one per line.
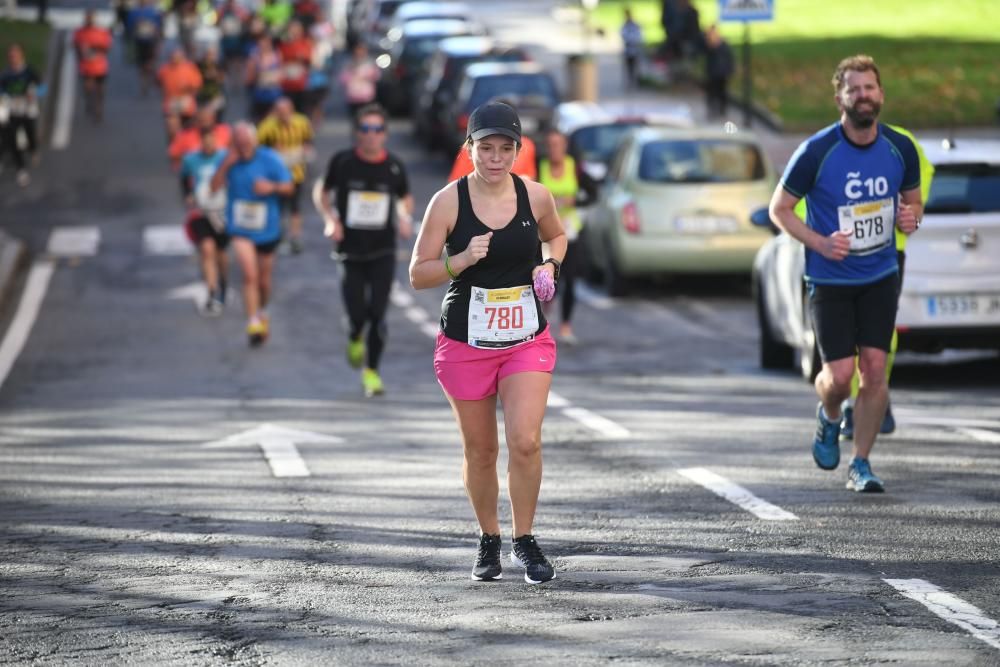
(141, 521)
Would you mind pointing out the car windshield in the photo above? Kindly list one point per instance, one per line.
(964, 188)
(417, 50)
(597, 143)
(529, 89)
(700, 161)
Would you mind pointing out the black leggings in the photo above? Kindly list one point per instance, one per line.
(8, 142)
(567, 281)
(366, 287)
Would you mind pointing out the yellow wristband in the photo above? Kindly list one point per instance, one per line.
(447, 267)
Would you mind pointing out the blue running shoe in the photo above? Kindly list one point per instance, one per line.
(888, 422)
(860, 477)
(826, 445)
(847, 421)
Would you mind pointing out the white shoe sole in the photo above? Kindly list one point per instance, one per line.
(496, 578)
(517, 561)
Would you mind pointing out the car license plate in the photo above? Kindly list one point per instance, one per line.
(963, 306)
(705, 224)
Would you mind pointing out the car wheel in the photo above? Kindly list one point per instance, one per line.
(615, 282)
(773, 352)
(586, 266)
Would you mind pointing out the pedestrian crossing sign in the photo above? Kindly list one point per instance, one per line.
(746, 10)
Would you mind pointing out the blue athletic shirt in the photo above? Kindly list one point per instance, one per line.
(854, 188)
(247, 214)
(200, 167)
(144, 22)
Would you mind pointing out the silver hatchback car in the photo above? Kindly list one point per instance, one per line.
(677, 201)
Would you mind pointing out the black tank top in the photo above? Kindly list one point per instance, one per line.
(515, 250)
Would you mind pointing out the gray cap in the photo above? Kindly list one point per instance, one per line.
(494, 118)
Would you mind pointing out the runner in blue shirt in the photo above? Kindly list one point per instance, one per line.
(206, 217)
(255, 179)
(145, 25)
(860, 180)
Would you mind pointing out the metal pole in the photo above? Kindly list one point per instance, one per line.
(747, 79)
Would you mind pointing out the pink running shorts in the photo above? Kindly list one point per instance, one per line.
(469, 373)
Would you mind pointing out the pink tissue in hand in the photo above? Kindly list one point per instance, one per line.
(545, 289)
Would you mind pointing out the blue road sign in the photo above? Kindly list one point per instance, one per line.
(746, 10)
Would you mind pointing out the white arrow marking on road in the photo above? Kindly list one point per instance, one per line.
(74, 241)
(24, 318)
(197, 292)
(67, 93)
(166, 240)
(736, 494)
(951, 608)
(278, 445)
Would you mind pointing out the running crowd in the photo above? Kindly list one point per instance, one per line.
(498, 238)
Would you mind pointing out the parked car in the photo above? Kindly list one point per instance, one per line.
(403, 65)
(419, 11)
(675, 201)
(951, 284)
(439, 85)
(526, 85)
(593, 131)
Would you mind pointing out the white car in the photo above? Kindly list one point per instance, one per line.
(951, 280)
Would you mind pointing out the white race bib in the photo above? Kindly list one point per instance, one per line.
(146, 29)
(293, 157)
(250, 215)
(502, 317)
(294, 71)
(871, 225)
(367, 209)
(208, 201)
(269, 78)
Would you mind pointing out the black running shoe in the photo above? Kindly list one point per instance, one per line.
(527, 554)
(487, 567)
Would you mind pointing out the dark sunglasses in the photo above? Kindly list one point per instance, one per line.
(364, 128)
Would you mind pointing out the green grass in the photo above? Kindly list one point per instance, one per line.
(34, 37)
(939, 58)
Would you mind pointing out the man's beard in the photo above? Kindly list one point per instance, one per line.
(863, 119)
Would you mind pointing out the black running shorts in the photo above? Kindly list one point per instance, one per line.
(202, 229)
(293, 202)
(848, 317)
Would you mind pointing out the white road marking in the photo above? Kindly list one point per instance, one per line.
(27, 312)
(736, 494)
(196, 292)
(400, 298)
(596, 422)
(278, 446)
(951, 608)
(980, 434)
(591, 420)
(592, 298)
(74, 241)
(416, 315)
(67, 95)
(166, 240)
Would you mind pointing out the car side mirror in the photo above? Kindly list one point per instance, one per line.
(762, 218)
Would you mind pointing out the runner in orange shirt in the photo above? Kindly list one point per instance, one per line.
(189, 139)
(296, 59)
(524, 165)
(180, 81)
(92, 43)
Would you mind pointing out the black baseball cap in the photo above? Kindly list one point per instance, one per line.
(494, 118)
